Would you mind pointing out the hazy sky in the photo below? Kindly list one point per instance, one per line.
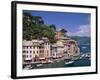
(77, 24)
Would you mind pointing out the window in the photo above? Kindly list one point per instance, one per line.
(33, 51)
(24, 51)
(33, 47)
(24, 56)
(47, 51)
(30, 51)
(46, 43)
(53, 54)
(68, 45)
(30, 55)
(47, 54)
(30, 47)
(27, 47)
(23, 47)
(27, 56)
(68, 48)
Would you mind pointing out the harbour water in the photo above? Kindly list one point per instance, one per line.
(76, 63)
(85, 61)
(81, 62)
(85, 48)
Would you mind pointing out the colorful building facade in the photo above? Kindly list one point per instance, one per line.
(36, 50)
(41, 50)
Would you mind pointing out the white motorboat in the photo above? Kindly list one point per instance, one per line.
(69, 62)
(84, 47)
(38, 65)
(50, 61)
(28, 67)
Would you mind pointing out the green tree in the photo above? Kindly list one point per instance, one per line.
(37, 20)
(53, 27)
(34, 28)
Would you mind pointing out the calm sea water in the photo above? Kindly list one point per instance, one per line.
(80, 63)
(77, 63)
(84, 49)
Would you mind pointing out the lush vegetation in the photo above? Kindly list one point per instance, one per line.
(34, 28)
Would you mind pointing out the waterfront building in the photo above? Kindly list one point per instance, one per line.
(58, 49)
(47, 48)
(40, 50)
(27, 51)
(54, 50)
(64, 46)
(36, 50)
(71, 48)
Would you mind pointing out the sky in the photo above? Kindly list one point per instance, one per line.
(77, 24)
